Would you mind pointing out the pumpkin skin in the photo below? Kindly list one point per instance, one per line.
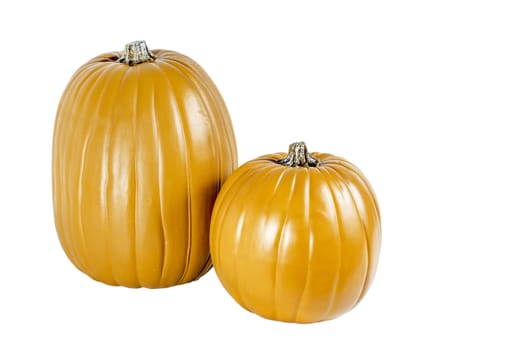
(140, 151)
(296, 243)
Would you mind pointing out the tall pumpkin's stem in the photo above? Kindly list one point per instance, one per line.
(136, 52)
(298, 156)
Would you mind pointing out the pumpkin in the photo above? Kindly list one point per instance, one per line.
(296, 237)
(142, 144)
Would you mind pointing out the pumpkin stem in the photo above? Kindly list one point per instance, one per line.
(298, 156)
(136, 52)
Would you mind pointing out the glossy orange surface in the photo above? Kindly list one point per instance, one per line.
(296, 244)
(139, 154)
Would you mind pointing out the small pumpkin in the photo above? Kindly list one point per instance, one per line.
(142, 144)
(296, 237)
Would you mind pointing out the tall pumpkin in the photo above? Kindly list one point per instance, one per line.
(296, 238)
(142, 144)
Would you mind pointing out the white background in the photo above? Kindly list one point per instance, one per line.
(426, 97)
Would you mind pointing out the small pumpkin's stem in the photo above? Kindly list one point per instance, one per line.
(298, 156)
(136, 52)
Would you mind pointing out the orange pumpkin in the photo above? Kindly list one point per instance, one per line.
(296, 238)
(142, 144)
